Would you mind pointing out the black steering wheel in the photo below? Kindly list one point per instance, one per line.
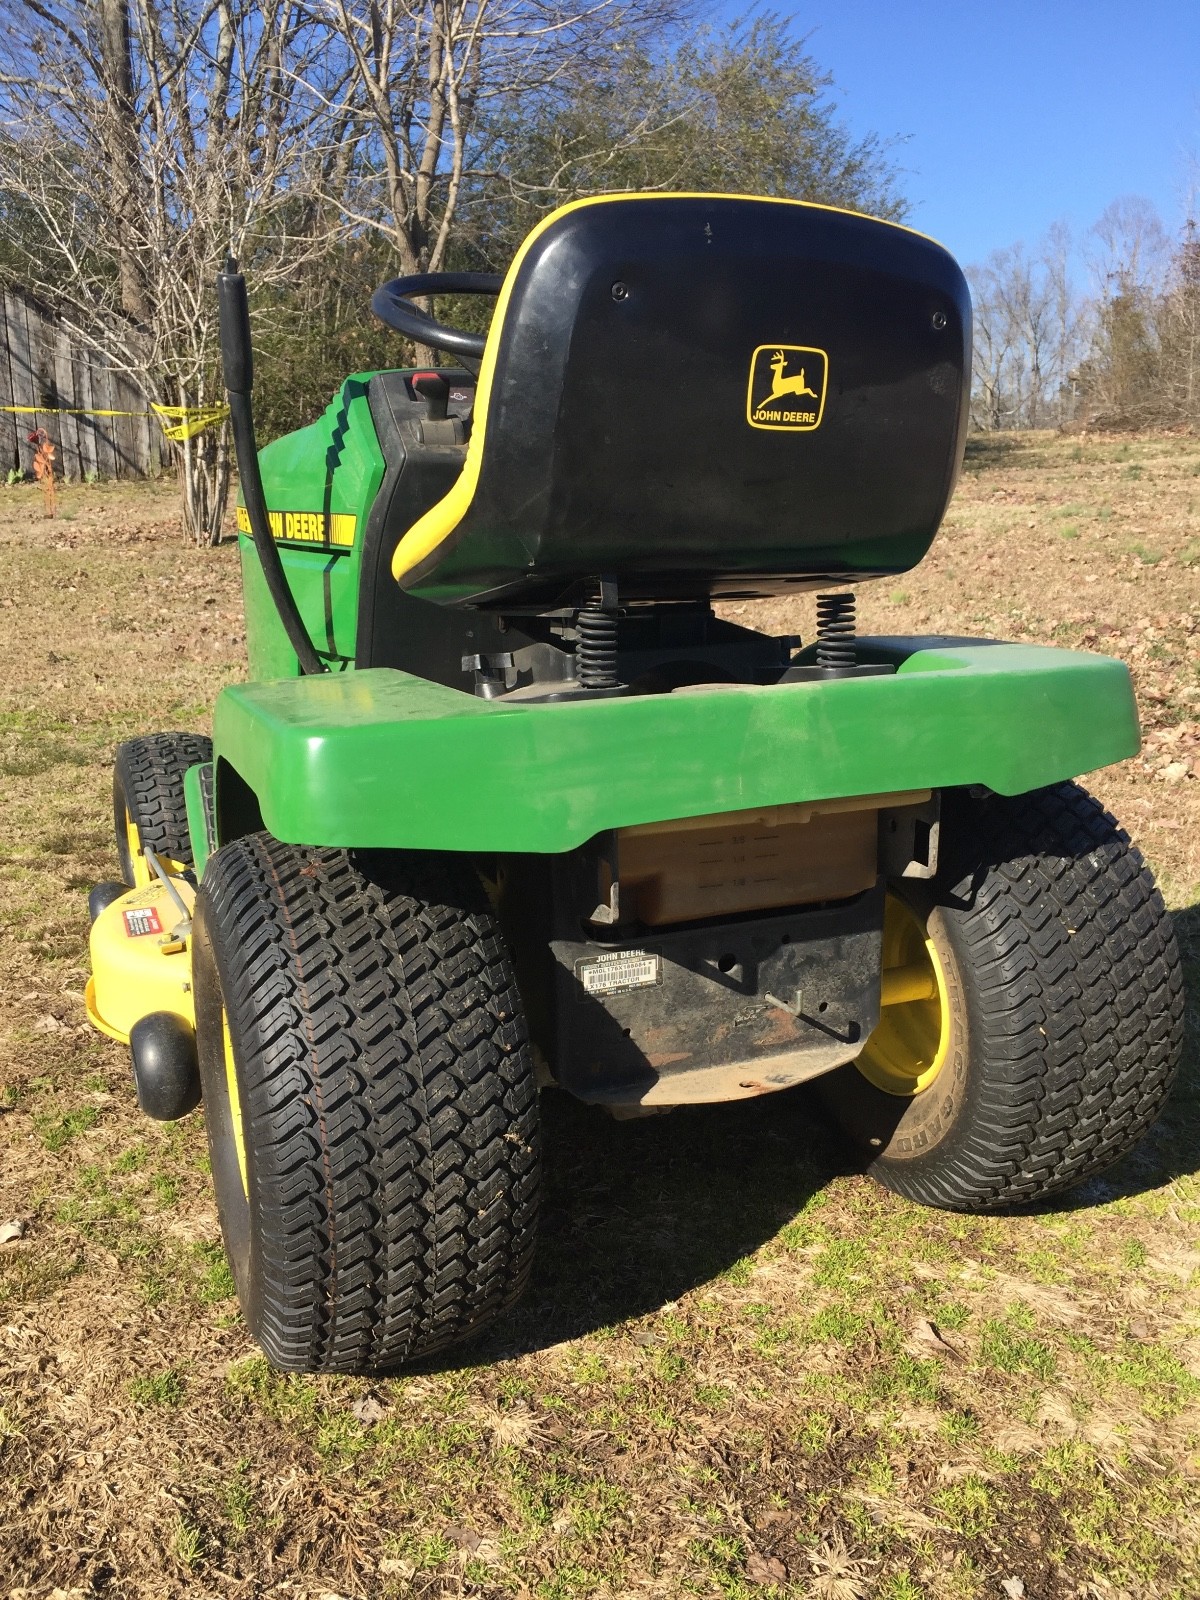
(390, 303)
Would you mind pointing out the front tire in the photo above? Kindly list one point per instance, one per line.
(1044, 1038)
(370, 1100)
(148, 802)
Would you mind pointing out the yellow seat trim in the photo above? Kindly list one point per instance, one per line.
(440, 521)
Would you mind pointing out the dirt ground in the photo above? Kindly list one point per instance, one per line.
(743, 1369)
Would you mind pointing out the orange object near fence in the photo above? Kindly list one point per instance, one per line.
(43, 466)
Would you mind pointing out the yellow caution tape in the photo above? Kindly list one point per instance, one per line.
(65, 411)
(191, 420)
(188, 420)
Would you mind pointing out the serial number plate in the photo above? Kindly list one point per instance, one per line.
(624, 969)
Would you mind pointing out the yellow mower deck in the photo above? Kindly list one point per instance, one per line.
(140, 964)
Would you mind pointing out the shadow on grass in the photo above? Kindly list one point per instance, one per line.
(991, 450)
(1035, 448)
(636, 1214)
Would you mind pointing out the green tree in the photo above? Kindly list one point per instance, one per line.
(743, 110)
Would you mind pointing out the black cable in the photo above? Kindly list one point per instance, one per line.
(237, 361)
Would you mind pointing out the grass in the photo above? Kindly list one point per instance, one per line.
(1006, 1346)
(1148, 558)
(160, 1389)
(57, 1131)
(721, 1381)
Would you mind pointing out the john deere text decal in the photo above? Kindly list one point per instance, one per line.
(787, 387)
(306, 527)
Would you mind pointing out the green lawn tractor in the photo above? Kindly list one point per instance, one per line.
(506, 803)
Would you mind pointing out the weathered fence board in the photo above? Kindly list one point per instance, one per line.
(8, 422)
(65, 427)
(42, 366)
(89, 462)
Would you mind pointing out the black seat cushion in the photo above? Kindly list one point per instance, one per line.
(705, 395)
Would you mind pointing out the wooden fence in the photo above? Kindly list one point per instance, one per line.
(42, 366)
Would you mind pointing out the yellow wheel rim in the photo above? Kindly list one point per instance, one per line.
(909, 1047)
(235, 1102)
(142, 871)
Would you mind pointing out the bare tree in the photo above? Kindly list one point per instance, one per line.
(143, 139)
(1030, 332)
(1128, 245)
(1129, 258)
(428, 82)
(1179, 330)
(997, 358)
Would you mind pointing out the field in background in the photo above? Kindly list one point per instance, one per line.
(742, 1369)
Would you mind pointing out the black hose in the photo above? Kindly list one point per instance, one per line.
(237, 361)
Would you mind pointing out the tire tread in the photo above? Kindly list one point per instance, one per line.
(148, 777)
(1077, 1000)
(391, 1101)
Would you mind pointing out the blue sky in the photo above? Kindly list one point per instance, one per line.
(1018, 113)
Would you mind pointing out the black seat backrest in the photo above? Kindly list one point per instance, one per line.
(704, 395)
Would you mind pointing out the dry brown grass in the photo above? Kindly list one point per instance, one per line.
(723, 1381)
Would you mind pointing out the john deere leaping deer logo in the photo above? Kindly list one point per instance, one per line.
(787, 387)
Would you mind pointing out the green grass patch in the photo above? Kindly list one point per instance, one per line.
(56, 1132)
(1007, 1345)
(1148, 558)
(968, 1507)
(843, 1264)
(189, 1545)
(901, 1586)
(215, 1281)
(838, 1324)
(238, 1498)
(1134, 1254)
(959, 1427)
(165, 1388)
(907, 1379)
(1163, 1384)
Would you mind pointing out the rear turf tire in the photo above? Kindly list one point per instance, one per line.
(1063, 1000)
(148, 803)
(381, 1200)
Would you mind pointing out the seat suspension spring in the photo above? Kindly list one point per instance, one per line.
(596, 647)
(835, 631)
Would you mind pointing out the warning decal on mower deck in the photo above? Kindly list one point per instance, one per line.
(306, 527)
(618, 971)
(144, 919)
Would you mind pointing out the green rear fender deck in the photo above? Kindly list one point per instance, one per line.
(381, 759)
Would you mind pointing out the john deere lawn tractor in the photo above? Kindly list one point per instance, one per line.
(507, 803)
